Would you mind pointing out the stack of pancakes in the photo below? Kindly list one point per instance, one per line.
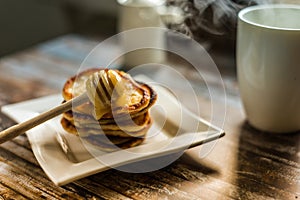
(114, 129)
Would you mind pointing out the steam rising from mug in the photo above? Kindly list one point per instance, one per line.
(216, 17)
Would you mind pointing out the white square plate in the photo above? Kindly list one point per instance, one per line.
(64, 157)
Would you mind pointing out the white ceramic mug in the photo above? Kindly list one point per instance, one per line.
(268, 66)
(145, 13)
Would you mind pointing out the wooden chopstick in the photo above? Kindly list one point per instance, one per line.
(20, 128)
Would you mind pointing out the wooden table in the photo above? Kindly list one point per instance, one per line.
(245, 164)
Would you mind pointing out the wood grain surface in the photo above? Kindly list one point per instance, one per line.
(245, 164)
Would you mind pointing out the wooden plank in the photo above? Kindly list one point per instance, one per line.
(72, 48)
(28, 186)
(82, 192)
(9, 194)
(31, 70)
(75, 49)
(22, 140)
(140, 186)
(22, 163)
(204, 180)
(266, 174)
(29, 170)
(255, 179)
(281, 146)
(20, 151)
(16, 89)
(97, 188)
(190, 187)
(5, 122)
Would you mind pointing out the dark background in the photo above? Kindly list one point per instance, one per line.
(28, 22)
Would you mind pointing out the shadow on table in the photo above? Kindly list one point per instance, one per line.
(178, 180)
(179, 177)
(268, 164)
(167, 161)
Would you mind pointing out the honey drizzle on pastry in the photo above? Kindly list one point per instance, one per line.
(108, 89)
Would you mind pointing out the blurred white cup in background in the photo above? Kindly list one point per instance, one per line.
(145, 13)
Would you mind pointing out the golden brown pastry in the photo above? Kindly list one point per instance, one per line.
(117, 115)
